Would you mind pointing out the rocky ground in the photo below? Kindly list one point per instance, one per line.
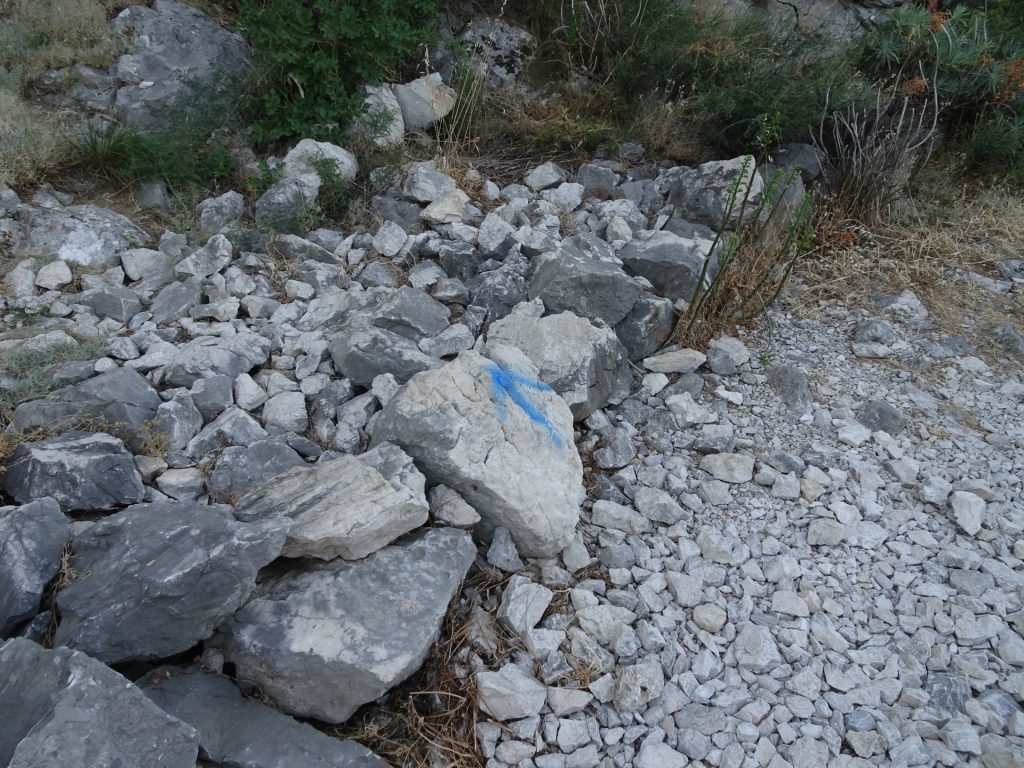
(248, 476)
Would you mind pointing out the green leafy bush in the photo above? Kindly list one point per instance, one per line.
(316, 53)
(971, 61)
(743, 83)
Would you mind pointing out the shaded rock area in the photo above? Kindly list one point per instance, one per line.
(63, 707)
(322, 639)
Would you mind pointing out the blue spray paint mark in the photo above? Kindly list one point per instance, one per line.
(508, 385)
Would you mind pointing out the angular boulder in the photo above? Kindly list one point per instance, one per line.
(324, 639)
(491, 430)
(175, 55)
(308, 155)
(121, 399)
(348, 507)
(79, 470)
(156, 579)
(245, 733)
(32, 539)
(240, 469)
(672, 263)
(362, 353)
(713, 193)
(569, 280)
(424, 101)
(79, 234)
(584, 364)
(62, 708)
(209, 356)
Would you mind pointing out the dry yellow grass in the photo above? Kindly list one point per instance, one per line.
(954, 227)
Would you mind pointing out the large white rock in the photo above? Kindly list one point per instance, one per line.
(585, 364)
(348, 507)
(307, 154)
(492, 431)
(424, 101)
(510, 693)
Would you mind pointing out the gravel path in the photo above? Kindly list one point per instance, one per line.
(841, 584)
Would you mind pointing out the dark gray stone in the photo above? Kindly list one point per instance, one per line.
(115, 302)
(120, 399)
(364, 353)
(499, 290)
(647, 326)
(218, 214)
(879, 415)
(61, 708)
(673, 264)
(244, 733)
(286, 203)
(790, 383)
(599, 181)
(947, 692)
(80, 470)
(176, 301)
(175, 54)
(412, 314)
(212, 395)
(321, 640)
(569, 280)
(240, 469)
(1009, 339)
(157, 578)
(32, 539)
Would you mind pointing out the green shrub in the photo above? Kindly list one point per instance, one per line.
(971, 61)
(744, 84)
(316, 53)
(184, 158)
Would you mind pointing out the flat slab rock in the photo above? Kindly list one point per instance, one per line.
(79, 470)
(245, 733)
(324, 639)
(157, 578)
(348, 507)
(492, 431)
(62, 708)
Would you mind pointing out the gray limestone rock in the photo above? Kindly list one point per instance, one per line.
(756, 649)
(569, 280)
(321, 640)
(120, 399)
(79, 234)
(32, 539)
(412, 314)
(714, 193)
(80, 470)
(157, 578)
(207, 260)
(362, 353)
(673, 264)
(244, 732)
(647, 326)
(509, 694)
(584, 364)
(347, 507)
(115, 302)
(791, 385)
(207, 356)
(219, 214)
(880, 416)
(424, 101)
(240, 469)
(498, 436)
(61, 708)
(286, 203)
(174, 55)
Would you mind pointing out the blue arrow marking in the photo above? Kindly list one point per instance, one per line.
(508, 385)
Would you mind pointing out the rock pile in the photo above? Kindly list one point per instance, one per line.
(278, 476)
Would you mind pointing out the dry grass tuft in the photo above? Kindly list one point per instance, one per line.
(956, 228)
(32, 140)
(431, 719)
